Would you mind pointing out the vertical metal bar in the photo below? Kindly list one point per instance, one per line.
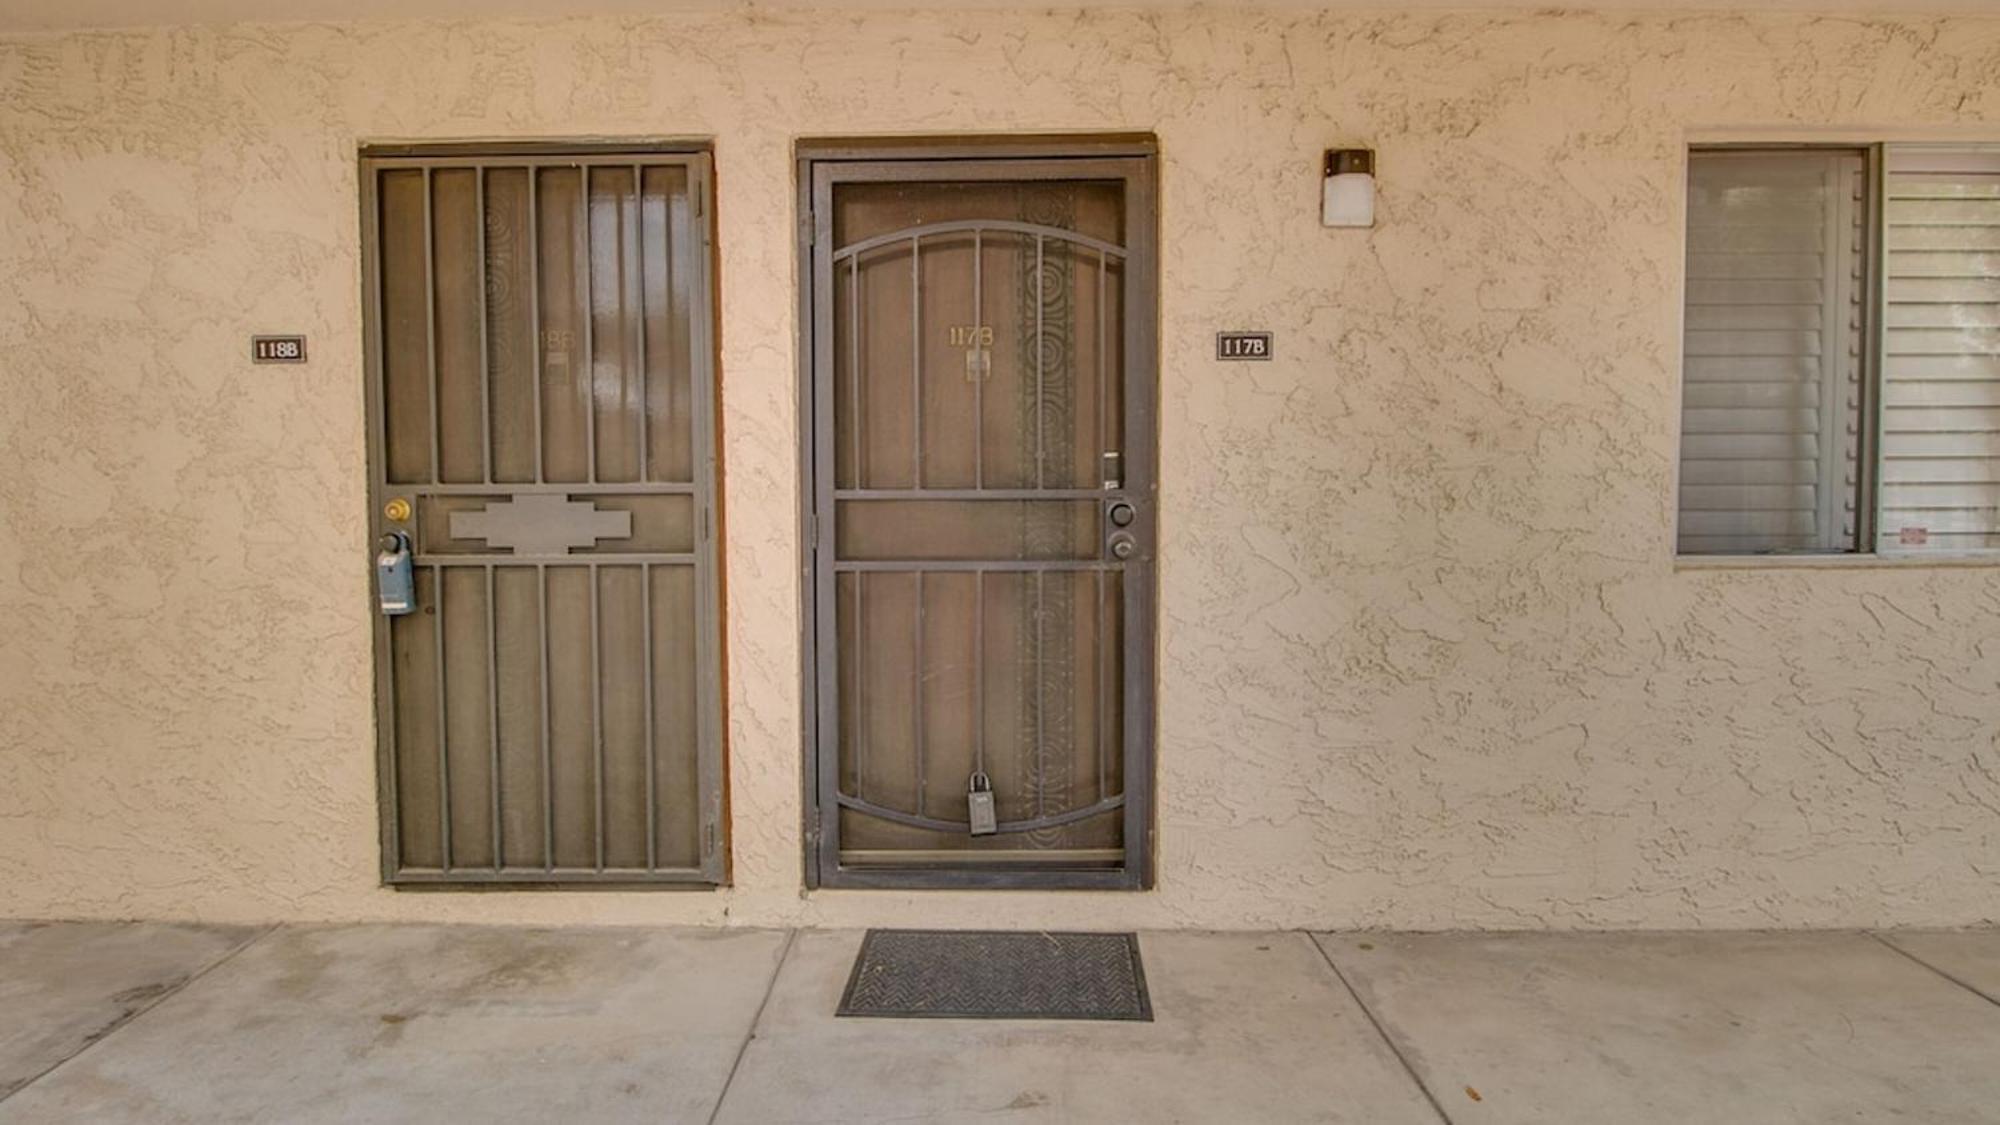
(829, 660)
(493, 708)
(1103, 447)
(1103, 390)
(548, 769)
(917, 712)
(534, 175)
(1103, 689)
(589, 326)
(1041, 702)
(849, 718)
(679, 262)
(387, 759)
(652, 768)
(430, 328)
(697, 262)
(916, 365)
(983, 368)
(597, 705)
(485, 363)
(639, 356)
(979, 670)
(860, 580)
(860, 687)
(854, 361)
(1041, 402)
(1138, 609)
(443, 723)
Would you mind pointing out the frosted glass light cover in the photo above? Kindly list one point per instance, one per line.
(1348, 200)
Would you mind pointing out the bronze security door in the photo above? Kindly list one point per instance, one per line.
(541, 421)
(982, 520)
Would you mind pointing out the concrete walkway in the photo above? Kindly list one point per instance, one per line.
(105, 1022)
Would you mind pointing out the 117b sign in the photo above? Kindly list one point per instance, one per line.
(1243, 345)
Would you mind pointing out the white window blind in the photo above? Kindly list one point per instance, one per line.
(1940, 468)
(1772, 377)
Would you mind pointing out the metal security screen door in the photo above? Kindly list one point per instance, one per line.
(982, 520)
(541, 417)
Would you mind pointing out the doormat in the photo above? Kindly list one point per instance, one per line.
(997, 975)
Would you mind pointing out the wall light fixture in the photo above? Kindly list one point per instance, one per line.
(1348, 196)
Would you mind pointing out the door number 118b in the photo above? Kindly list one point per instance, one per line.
(277, 349)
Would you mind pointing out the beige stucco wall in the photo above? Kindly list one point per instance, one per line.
(1426, 657)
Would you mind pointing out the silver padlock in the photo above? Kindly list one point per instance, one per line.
(984, 819)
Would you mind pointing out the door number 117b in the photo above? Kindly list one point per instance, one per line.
(1243, 345)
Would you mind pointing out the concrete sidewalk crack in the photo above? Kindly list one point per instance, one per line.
(125, 1020)
(756, 1021)
(1966, 985)
(1408, 1067)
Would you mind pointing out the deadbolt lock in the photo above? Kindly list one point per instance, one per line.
(1122, 514)
(397, 510)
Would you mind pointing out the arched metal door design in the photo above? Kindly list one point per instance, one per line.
(983, 520)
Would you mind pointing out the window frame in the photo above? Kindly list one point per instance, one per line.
(1867, 552)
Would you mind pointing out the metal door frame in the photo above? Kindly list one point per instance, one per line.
(1133, 159)
(711, 696)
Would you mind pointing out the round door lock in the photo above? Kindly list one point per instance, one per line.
(1122, 547)
(1122, 514)
(397, 510)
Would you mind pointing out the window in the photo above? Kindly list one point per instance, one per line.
(1841, 370)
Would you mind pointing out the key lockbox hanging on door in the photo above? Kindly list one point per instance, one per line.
(981, 495)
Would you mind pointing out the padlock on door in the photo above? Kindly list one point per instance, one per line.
(395, 581)
(984, 819)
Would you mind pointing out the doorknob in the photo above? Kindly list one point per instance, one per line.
(1123, 546)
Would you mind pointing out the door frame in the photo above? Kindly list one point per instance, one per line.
(716, 867)
(1038, 157)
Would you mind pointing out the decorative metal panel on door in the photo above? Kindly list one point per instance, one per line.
(541, 395)
(982, 517)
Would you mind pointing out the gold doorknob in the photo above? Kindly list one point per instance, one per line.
(397, 510)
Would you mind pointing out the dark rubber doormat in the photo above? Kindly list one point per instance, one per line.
(997, 975)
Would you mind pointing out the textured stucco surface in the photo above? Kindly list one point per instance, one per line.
(1426, 658)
